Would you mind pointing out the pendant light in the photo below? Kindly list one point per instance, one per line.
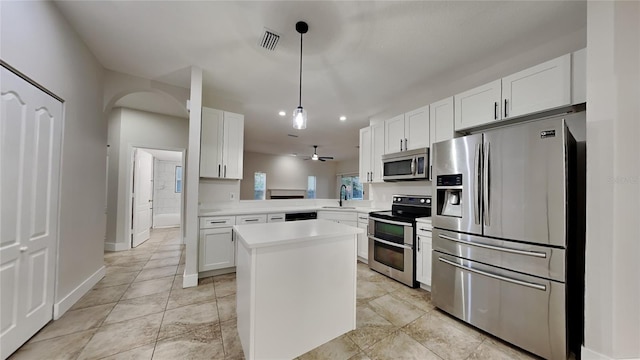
(299, 114)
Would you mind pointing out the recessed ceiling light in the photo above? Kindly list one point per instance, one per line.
(282, 113)
(343, 118)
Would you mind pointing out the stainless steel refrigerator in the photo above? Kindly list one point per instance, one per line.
(508, 239)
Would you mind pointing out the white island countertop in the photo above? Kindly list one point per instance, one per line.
(281, 233)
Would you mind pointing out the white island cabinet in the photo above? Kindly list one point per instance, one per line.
(296, 286)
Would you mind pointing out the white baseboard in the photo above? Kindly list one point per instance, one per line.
(189, 280)
(588, 354)
(116, 246)
(67, 302)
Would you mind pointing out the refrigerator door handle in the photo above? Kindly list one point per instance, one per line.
(495, 276)
(497, 248)
(476, 188)
(487, 185)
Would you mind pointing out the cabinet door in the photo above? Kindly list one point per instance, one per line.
(233, 146)
(217, 249)
(377, 145)
(542, 87)
(363, 242)
(416, 128)
(441, 121)
(478, 106)
(423, 260)
(365, 155)
(394, 138)
(211, 143)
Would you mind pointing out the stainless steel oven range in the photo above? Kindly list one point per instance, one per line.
(392, 237)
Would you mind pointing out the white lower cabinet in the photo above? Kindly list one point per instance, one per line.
(216, 248)
(423, 254)
(363, 240)
(342, 217)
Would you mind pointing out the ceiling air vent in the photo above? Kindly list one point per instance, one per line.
(269, 39)
(293, 136)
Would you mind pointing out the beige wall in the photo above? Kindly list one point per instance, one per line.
(38, 41)
(288, 172)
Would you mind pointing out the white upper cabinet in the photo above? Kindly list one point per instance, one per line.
(221, 144)
(441, 121)
(579, 77)
(544, 86)
(416, 128)
(394, 139)
(407, 131)
(365, 155)
(371, 150)
(478, 106)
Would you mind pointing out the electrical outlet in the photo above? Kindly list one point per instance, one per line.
(232, 196)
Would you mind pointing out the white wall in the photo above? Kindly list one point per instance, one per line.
(288, 172)
(612, 299)
(136, 129)
(349, 166)
(37, 40)
(166, 201)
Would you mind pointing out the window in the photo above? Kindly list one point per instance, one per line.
(311, 187)
(259, 185)
(178, 179)
(354, 187)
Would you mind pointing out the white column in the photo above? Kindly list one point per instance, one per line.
(191, 181)
(612, 299)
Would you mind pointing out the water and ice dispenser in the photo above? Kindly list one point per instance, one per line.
(449, 194)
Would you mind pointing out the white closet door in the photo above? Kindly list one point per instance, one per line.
(30, 138)
(142, 192)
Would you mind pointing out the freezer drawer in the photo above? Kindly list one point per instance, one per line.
(542, 261)
(524, 310)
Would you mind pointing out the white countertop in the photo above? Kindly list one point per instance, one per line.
(424, 220)
(281, 233)
(281, 209)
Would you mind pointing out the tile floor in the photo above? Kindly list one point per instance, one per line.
(139, 310)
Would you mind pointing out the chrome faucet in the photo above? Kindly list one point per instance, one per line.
(345, 194)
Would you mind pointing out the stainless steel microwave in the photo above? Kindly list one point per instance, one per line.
(406, 165)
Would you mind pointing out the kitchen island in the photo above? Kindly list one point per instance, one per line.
(296, 286)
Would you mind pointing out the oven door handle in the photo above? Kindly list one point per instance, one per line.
(495, 276)
(402, 246)
(390, 221)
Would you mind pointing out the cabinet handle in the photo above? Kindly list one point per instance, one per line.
(218, 170)
(276, 218)
(505, 108)
(400, 144)
(495, 110)
(225, 171)
(424, 229)
(418, 243)
(248, 220)
(405, 144)
(217, 222)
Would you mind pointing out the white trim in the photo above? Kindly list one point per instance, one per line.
(116, 246)
(67, 302)
(190, 280)
(587, 354)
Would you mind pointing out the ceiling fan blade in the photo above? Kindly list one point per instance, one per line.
(321, 159)
(326, 157)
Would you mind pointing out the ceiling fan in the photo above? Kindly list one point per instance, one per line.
(316, 157)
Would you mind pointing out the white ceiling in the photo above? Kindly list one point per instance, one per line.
(360, 57)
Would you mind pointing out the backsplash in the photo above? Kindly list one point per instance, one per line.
(381, 194)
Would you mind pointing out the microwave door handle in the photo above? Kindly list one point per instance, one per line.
(487, 185)
(413, 166)
(476, 189)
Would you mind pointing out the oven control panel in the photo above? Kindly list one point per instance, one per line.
(410, 200)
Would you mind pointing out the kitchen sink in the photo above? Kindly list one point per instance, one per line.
(338, 207)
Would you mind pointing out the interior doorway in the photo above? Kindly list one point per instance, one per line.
(156, 197)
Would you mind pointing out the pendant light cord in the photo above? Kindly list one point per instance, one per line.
(300, 98)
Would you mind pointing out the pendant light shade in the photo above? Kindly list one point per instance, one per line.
(299, 114)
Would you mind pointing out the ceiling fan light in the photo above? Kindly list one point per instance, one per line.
(314, 157)
(299, 118)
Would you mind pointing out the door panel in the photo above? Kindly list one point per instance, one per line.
(232, 152)
(394, 134)
(377, 145)
(526, 185)
(211, 138)
(459, 156)
(142, 190)
(30, 141)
